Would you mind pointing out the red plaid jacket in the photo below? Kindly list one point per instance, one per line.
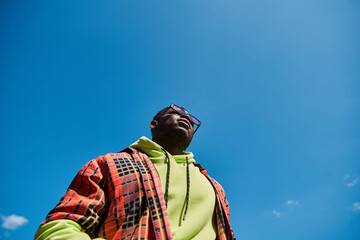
(119, 196)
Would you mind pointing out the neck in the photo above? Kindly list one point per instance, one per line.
(173, 150)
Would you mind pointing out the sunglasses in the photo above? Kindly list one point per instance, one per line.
(182, 111)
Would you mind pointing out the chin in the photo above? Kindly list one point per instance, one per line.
(179, 136)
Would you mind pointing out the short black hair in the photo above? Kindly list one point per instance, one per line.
(159, 113)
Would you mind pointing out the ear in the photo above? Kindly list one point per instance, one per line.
(153, 124)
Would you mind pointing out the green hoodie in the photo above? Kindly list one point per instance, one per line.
(199, 222)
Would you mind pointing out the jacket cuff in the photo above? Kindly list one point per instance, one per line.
(62, 229)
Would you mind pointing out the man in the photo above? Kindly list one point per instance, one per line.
(151, 190)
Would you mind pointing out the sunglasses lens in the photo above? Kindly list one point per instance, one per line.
(194, 120)
(183, 112)
(179, 110)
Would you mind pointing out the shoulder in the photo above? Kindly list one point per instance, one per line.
(218, 188)
(112, 164)
(125, 154)
(216, 184)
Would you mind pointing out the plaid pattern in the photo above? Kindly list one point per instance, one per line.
(119, 196)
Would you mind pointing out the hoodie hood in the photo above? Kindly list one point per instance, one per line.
(157, 154)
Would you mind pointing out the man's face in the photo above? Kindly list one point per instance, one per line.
(174, 128)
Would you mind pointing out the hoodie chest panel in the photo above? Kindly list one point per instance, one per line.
(201, 202)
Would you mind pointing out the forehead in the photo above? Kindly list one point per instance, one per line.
(166, 111)
(170, 109)
(176, 109)
(160, 113)
(180, 108)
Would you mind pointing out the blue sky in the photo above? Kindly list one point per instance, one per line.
(275, 83)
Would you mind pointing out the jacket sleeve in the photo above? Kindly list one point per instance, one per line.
(85, 199)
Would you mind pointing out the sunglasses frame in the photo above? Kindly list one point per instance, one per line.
(183, 112)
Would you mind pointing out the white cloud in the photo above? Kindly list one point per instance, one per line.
(276, 213)
(283, 211)
(292, 203)
(352, 183)
(356, 206)
(13, 221)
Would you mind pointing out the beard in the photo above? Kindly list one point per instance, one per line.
(179, 137)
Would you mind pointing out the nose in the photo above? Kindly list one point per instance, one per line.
(188, 118)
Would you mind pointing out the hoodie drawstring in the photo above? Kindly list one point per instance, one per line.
(187, 187)
(168, 182)
(167, 177)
